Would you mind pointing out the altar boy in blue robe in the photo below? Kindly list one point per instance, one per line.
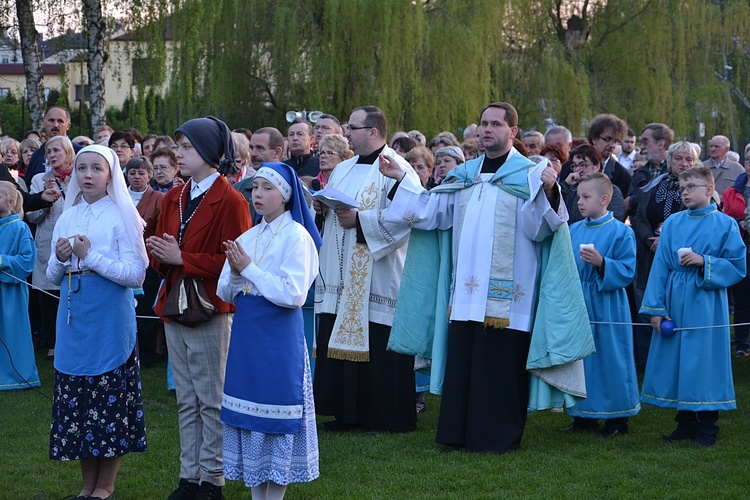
(700, 254)
(604, 249)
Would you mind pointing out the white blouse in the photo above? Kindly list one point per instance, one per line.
(284, 264)
(111, 254)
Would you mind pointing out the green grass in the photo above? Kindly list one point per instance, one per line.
(354, 465)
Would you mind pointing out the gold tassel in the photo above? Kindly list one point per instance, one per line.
(448, 314)
(498, 323)
(315, 352)
(346, 355)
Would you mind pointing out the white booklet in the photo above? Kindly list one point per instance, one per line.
(335, 199)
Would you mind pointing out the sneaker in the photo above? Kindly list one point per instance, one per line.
(741, 353)
(209, 491)
(185, 491)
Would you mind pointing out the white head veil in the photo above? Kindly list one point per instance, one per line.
(117, 191)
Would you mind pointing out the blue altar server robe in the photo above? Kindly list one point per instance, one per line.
(611, 380)
(17, 257)
(692, 369)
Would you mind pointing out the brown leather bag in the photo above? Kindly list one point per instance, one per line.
(188, 302)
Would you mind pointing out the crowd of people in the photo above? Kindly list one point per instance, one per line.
(508, 272)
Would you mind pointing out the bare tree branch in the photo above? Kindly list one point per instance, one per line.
(618, 27)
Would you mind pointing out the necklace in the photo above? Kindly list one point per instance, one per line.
(184, 224)
(340, 255)
(268, 245)
(257, 260)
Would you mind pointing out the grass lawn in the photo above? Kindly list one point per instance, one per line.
(354, 465)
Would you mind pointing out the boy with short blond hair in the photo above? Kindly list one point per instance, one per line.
(604, 249)
(700, 254)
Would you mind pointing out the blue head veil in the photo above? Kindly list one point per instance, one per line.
(286, 181)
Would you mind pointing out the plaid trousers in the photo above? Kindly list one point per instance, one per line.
(199, 358)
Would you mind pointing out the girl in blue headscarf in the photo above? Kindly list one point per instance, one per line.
(270, 439)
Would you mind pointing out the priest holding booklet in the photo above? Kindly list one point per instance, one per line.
(357, 380)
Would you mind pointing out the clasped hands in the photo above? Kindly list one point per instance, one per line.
(237, 258)
(165, 249)
(80, 247)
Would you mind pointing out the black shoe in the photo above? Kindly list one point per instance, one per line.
(612, 431)
(578, 426)
(335, 426)
(185, 491)
(679, 435)
(209, 491)
(704, 440)
(741, 353)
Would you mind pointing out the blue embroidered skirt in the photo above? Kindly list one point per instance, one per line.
(268, 408)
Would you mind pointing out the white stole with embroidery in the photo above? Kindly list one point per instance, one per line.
(483, 278)
(350, 339)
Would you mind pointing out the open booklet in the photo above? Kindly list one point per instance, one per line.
(333, 198)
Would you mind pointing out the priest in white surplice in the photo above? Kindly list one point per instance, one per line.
(501, 207)
(356, 380)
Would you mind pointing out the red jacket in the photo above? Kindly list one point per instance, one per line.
(222, 215)
(733, 204)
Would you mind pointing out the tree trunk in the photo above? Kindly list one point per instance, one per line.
(95, 28)
(32, 64)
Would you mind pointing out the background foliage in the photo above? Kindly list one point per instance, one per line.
(433, 64)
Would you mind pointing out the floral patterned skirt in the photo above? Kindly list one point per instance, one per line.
(98, 416)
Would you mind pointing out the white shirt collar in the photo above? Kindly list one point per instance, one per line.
(198, 188)
(99, 206)
(283, 218)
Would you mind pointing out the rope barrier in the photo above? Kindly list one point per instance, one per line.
(55, 296)
(592, 322)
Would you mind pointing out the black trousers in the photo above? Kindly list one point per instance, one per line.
(147, 328)
(378, 394)
(49, 307)
(486, 388)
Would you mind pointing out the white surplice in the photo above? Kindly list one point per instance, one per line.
(386, 242)
(535, 220)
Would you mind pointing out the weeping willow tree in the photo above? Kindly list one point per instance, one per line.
(433, 64)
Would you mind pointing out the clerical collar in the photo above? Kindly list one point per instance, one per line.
(490, 165)
(370, 159)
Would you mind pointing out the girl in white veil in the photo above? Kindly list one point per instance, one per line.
(98, 255)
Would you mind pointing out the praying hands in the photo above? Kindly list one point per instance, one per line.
(165, 249)
(236, 256)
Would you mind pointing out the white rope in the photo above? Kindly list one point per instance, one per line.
(592, 322)
(55, 296)
(676, 329)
